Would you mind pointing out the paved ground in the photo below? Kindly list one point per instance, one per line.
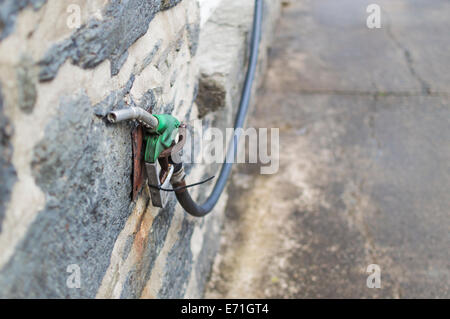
(364, 118)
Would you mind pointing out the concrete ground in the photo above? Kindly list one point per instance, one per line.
(364, 118)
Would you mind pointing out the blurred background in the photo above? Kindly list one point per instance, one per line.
(364, 118)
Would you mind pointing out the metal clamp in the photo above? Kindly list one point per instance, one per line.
(161, 172)
(159, 178)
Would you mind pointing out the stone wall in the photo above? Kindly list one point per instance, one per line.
(65, 190)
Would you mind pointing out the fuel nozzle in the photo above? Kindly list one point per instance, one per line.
(149, 121)
(160, 131)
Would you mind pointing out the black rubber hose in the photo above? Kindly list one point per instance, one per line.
(183, 196)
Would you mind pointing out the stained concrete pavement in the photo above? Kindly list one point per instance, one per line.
(364, 118)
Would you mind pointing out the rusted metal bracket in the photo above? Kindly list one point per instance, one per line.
(139, 174)
(137, 137)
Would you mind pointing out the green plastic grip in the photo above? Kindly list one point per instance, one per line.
(162, 138)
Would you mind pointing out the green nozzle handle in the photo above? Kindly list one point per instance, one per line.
(162, 138)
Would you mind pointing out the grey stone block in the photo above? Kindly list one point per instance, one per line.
(8, 174)
(124, 22)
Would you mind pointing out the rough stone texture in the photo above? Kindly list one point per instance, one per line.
(65, 196)
(180, 256)
(9, 9)
(87, 203)
(26, 85)
(123, 23)
(140, 273)
(211, 96)
(220, 81)
(7, 172)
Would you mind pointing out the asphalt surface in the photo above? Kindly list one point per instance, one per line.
(364, 178)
